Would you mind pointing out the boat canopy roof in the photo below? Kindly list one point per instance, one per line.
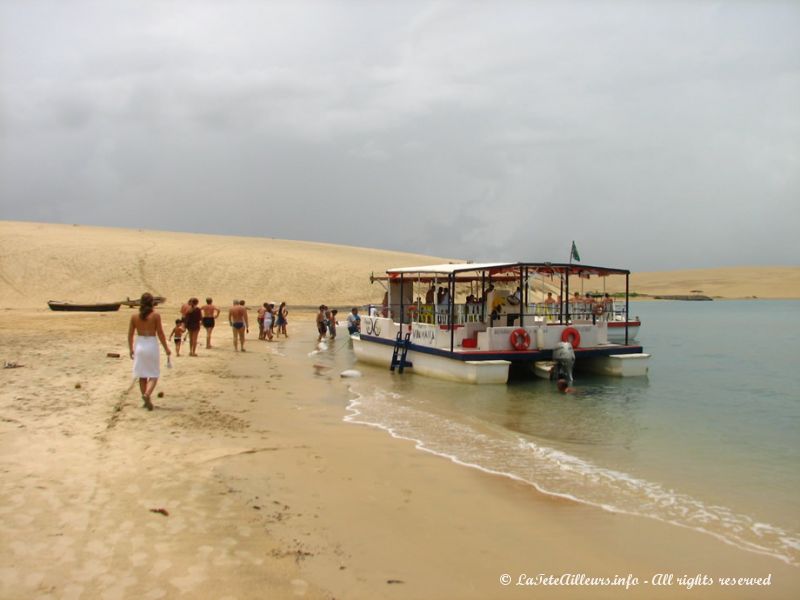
(506, 268)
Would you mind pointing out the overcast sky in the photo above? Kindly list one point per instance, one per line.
(657, 135)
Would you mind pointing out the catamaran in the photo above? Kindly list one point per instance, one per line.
(466, 322)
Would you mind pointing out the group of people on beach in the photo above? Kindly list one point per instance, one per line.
(272, 321)
(192, 316)
(149, 331)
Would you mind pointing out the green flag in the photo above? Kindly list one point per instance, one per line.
(574, 253)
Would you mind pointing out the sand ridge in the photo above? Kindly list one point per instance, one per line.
(76, 263)
(41, 262)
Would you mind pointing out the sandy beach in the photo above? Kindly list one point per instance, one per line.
(246, 481)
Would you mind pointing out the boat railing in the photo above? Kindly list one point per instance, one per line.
(464, 313)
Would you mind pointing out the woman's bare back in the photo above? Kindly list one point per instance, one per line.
(147, 326)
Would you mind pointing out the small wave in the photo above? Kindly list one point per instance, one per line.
(557, 473)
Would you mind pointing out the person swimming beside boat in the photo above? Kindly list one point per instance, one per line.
(564, 387)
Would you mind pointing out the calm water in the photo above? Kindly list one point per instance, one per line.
(710, 440)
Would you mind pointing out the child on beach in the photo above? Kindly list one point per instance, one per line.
(177, 335)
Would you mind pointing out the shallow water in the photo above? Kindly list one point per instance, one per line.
(708, 441)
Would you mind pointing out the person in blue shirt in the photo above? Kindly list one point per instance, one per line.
(353, 321)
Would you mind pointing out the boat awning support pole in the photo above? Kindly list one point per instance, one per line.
(451, 285)
(401, 303)
(627, 304)
(567, 298)
(522, 295)
(483, 296)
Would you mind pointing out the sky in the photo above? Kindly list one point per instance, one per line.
(657, 135)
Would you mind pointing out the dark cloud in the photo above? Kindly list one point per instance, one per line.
(657, 136)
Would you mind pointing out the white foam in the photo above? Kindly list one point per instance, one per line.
(557, 473)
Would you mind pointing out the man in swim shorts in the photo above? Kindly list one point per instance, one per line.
(210, 314)
(237, 317)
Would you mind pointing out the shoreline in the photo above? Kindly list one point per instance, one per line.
(271, 493)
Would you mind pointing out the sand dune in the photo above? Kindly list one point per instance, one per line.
(41, 262)
(769, 282)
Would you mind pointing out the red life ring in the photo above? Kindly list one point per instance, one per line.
(572, 336)
(520, 340)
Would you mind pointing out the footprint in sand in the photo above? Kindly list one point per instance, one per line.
(299, 587)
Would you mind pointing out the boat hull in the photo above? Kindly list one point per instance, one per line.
(619, 365)
(616, 331)
(68, 307)
(431, 365)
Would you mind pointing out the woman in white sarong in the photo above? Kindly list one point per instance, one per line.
(146, 359)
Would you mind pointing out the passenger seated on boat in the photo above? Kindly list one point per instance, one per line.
(516, 297)
(426, 313)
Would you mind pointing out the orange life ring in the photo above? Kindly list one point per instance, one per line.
(520, 340)
(598, 310)
(572, 336)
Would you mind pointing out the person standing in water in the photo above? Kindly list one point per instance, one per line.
(146, 359)
(322, 323)
(268, 321)
(282, 319)
(210, 314)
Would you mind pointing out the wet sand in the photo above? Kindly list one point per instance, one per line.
(268, 493)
